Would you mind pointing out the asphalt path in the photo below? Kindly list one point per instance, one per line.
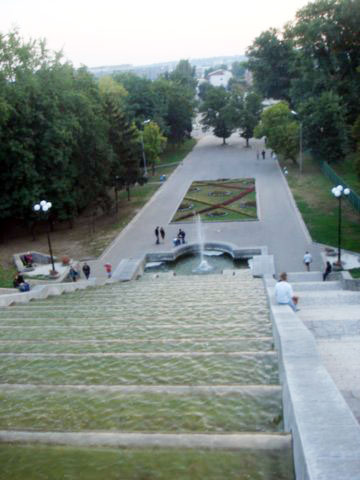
(279, 226)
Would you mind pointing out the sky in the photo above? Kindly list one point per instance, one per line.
(141, 32)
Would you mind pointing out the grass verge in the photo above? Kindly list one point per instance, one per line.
(319, 208)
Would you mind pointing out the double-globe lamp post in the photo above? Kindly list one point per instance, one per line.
(44, 207)
(339, 192)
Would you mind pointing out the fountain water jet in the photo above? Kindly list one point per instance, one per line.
(203, 266)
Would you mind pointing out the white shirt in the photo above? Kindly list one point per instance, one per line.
(307, 258)
(283, 292)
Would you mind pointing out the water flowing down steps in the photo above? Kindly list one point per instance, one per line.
(179, 364)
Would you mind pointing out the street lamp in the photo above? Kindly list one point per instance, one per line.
(145, 122)
(339, 192)
(44, 207)
(300, 142)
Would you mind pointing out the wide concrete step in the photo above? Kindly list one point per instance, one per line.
(329, 298)
(316, 286)
(294, 277)
(336, 312)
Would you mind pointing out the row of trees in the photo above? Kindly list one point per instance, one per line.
(313, 65)
(69, 138)
(227, 110)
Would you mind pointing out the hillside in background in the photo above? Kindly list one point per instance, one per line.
(154, 70)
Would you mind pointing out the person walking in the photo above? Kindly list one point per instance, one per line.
(157, 235)
(284, 293)
(86, 270)
(162, 234)
(108, 269)
(263, 153)
(328, 270)
(307, 260)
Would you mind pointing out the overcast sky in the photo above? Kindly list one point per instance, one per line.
(139, 32)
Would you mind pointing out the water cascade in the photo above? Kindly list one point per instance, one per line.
(169, 377)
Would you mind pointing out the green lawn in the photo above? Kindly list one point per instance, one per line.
(319, 208)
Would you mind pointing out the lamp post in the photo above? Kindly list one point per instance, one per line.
(300, 142)
(339, 192)
(145, 122)
(44, 207)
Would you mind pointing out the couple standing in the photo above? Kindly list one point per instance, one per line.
(159, 232)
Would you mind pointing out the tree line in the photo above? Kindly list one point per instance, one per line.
(312, 67)
(69, 138)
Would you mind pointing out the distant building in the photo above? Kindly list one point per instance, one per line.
(219, 78)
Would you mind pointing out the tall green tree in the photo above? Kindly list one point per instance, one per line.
(185, 75)
(154, 143)
(324, 127)
(219, 113)
(179, 109)
(124, 140)
(249, 108)
(281, 130)
(270, 60)
(325, 34)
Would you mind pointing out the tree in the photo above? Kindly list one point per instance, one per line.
(356, 136)
(154, 143)
(124, 140)
(324, 128)
(178, 105)
(325, 35)
(277, 124)
(270, 61)
(249, 108)
(185, 75)
(219, 112)
(141, 102)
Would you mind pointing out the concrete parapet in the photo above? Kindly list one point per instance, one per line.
(262, 265)
(326, 435)
(129, 269)
(349, 283)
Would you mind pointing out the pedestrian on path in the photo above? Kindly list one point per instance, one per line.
(328, 269)
(108, 269)
(307, 260)
(86, 270)
(157, 235)
(257, 155)
(284, 293)
(263, 153)
(162, 233)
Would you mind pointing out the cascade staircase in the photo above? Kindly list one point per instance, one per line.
(333, 316)
(164, 366)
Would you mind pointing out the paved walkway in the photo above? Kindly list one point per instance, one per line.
(280, 226)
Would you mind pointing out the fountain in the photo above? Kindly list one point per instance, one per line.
(204, 266)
